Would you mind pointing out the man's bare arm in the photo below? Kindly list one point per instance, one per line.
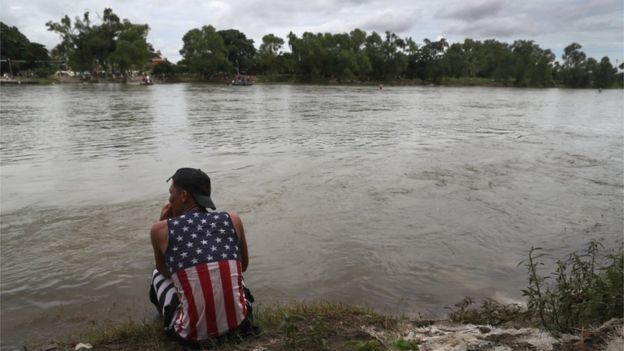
(240, 231)
(158, 235)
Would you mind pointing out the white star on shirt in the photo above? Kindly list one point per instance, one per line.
(236, 247)
(180, 265)
(189, 244)
(230, 239)
(193, 235)
(198, 251)
(227, 247)
(176, 222)
(195, 261)
(222, 231)
(216, 217)
(213, 225)
(213, 248)
(179, 238)
(218, 240)
(234, 255)
(171, 259)
(204, 242)
(224, 255)
(189, 221)
(184, 254)
(185, 229)
(175, 248)
(171, 231)
(195, 214)
(225, 223)
(199, 227)
(203, 221)
(209, 258)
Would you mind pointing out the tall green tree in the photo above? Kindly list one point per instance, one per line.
(362, 66)
(573, 73)
(204, 52)
(533, 66)
(339, 59)
(24, 54)
(394, 60)
(111, 45)
(80, 42)
(456, 62)
(374, 53)
(268, 58)
(427, 63)
(495, 60)
(241, 51)
(132, 50)
(106, 36)
(605, 74)
(307, 55)
(271, 45)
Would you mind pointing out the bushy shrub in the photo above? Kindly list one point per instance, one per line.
(581, 293)
(586, 290)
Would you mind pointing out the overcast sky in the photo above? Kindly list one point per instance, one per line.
(598, 25)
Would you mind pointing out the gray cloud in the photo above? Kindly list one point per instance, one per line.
(601, 25)
(472, 11)
(392, 20)
(572, 11)
(496, 27)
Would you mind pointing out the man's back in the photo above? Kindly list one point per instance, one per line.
(204, 258)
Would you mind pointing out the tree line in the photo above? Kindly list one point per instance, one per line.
(116, 46)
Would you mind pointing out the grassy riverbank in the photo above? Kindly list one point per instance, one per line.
(314, 326)
(326, 326)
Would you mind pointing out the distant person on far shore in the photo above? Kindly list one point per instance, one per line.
(200, 258)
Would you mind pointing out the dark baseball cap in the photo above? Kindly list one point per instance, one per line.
(197, 183)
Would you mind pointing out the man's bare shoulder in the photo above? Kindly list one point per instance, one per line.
(233, 215)
(159, 227)
(235, 219)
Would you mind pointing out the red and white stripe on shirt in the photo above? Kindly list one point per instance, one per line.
(212, 301)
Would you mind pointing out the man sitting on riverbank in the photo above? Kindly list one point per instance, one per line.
(200, 257)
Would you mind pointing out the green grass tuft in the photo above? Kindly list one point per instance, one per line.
(406, 345)
(490, 312)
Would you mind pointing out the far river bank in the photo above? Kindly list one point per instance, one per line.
(283, 79)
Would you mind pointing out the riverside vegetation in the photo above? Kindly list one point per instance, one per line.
(584, 292)
(114, 48)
